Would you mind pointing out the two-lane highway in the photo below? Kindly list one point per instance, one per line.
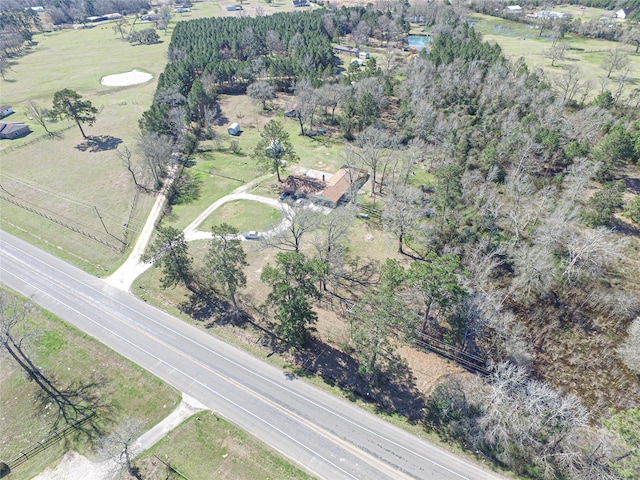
(327, 436)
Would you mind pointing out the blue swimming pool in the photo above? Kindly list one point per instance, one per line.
(418, 41)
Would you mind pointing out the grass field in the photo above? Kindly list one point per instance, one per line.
(206, 446)
(83, 190)
(587, 54)
(86, 190)
(66, 355)
(244, 215)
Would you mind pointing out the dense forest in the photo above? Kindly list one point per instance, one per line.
(519, 254)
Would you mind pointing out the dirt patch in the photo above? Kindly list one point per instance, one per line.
(247, 112)
(74, 465)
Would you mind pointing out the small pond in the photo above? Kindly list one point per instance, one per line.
(418, 41)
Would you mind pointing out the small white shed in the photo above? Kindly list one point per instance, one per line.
(234, 129)
(363, 55)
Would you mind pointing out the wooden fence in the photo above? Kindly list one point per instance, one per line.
(42, 445)
(473, 363)
(117, 248)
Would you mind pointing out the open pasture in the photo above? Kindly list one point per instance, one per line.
(586, 54)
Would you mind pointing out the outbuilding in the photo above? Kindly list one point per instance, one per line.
(234, 129)
(11, 130)
(234, 7)
(5, 110)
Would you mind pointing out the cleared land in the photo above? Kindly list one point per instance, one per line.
(587, 54)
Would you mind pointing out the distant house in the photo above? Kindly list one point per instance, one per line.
(233, 8)
(359, 62)
(5, 110)
(514, 9)
(11, 130)
(623, 13)
(38, 9)
(341, 187)
(549, 14)
(234, 129)
(181, 9)
(343, 49)
(113, 16)
(363, 55)
(300, 3)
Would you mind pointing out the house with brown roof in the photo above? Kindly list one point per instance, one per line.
(341, 187)
(11, 130)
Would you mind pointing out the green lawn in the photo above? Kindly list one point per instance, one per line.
(68, 356)
(244, 215)
(206, 446)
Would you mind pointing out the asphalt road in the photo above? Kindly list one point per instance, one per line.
(327, 436)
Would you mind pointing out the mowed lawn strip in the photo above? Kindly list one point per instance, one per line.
(206, 446)
(69, 357)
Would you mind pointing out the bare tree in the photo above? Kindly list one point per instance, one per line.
(527, 422)
(306, 104)
(568, 83)
(577, 179)
(120, 27)
(623, 79)
(374, 150)
(274, 44)
(261, 91)
(535, 273)
(631, 36)
(72, 402)
(330, 242)
(119, 446)
(589, 251)
(556, 52)
(125, 155)
(402, 212)
(156, 151)
(413, 154)
(360, 34)
(39, 114)
(615, 59)
(297, 221)
(331, 96)
(5, 66)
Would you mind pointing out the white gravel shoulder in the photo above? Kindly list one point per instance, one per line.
(74, 466)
